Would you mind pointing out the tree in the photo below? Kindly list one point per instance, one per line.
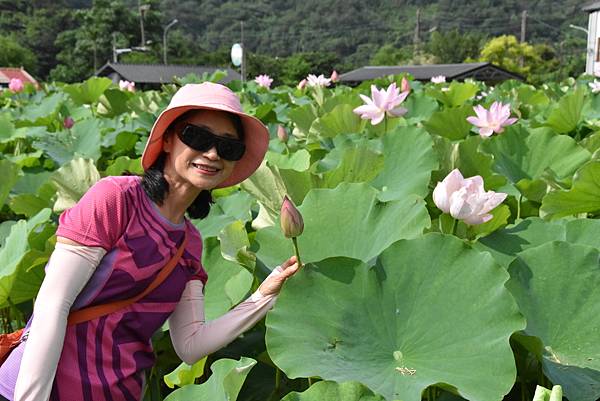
(520, 57)
(453, 46)
(12, 54)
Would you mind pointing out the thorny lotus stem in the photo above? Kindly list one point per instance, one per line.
(295, 241)
(519, 207)
(385, 118)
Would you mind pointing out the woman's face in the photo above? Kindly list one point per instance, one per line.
(202, 169)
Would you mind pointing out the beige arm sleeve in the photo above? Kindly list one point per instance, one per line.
(193, 337)
(67, 272)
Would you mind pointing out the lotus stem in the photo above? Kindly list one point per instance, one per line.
(454, 225)
(277, 379)
(519, 207)
(310, 382)
(295, 241)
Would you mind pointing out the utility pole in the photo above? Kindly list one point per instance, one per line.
(523, 31)
(243, 53)
(523, 25)
(416, 38)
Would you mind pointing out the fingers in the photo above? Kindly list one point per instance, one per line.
(290, 270)
(288, 262)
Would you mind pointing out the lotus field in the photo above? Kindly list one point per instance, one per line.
(451, 241)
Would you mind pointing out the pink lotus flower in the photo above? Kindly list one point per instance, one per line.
(16, 85)
(68, 122)
(264, 80)
(438, 79)
(492, 120)
(313, 80)
(595, 86)
(465, 198)
(334, 76)
(382, 102)
(282, 134)
(405, 85)
(126, 85)
(302, 84)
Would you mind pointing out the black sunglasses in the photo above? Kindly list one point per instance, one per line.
(202, 139)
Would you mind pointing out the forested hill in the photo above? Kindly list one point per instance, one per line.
(67, 39)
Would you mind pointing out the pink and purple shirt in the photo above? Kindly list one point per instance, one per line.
(104, 359)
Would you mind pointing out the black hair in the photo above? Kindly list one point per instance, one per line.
(156, 186)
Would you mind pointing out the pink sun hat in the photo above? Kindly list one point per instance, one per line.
(211, 96)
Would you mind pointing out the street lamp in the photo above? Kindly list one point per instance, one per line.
(578, 28)
(143, 9)
(166, 28)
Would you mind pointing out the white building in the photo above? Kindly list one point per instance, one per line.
(592, 65)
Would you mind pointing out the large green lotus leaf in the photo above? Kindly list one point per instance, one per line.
(457, 94)
(555, 285)
(583, 197)
(28, 204)
(267, 187)
(432, 311)
(17, 255)
(420, 107)
(341, 120)
(235, 245)
(7, 128)
(357, 164)
(450, 123)
(228, 282)
(185, 374)
(225, 211)
(303, 117)
(333, 391)
(505, 244)
(83, 140)
(346, 221)
(31, 159)
(472, 162)
(72, 181)
(124, 163)
(43, 112)
(10, 175)
(88, 92)
(299, 161)
(565, 116)
(408, 161)
(113, 102)
(5, 227)
(519, 154)
(224, 384)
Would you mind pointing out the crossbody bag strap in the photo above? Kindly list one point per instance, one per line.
(83, 315)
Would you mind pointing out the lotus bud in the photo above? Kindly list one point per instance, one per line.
(302, 84)
(68, 122)
(404, 85)
(282, 134)
(334, 76)
(292, 224)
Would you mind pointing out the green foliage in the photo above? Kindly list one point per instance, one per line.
(13, 54)
(453, 46)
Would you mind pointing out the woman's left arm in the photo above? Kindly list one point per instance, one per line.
(193, 337)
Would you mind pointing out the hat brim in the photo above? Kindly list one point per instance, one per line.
(256, 138)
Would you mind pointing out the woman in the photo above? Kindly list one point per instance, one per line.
(113, 243)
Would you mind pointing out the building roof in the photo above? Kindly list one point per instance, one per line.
(481, 71)
(159, 73)
(8, 73)
(590, 7)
